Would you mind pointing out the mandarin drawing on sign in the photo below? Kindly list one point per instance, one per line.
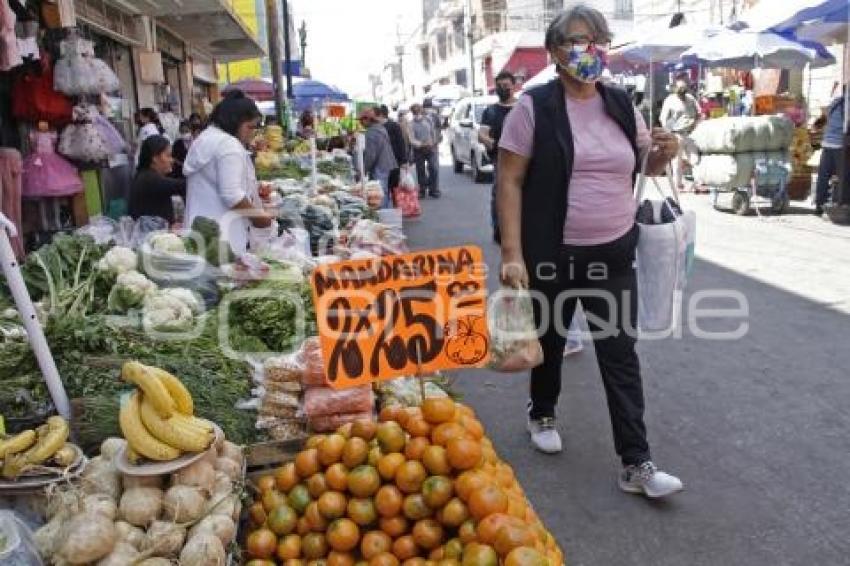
(401, 315)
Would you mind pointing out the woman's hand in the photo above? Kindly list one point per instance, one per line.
(665, 145)
(261, 220)
(513, 272)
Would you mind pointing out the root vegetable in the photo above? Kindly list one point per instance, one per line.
(122, 555)
(129, 534)
(183, 503)
(164, 538)
(48, 537)
(100, 476)
(229, 467)
(155, 561)
(130, 482)
(223, 484)
(141, 505)
(203, 550)
(87, 537)
(63, 503)
(111, 446)
(227, 506)
(231, 451)
(100, 503)
(200, 474)
(221, 526)
(65, 456)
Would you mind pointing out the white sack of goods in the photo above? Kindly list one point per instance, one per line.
(743, 134)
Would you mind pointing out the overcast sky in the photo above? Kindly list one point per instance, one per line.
(349, 39)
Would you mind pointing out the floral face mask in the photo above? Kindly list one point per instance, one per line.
(584, 62)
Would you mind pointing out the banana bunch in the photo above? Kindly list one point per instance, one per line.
(274, 137)
(158, 420)
(35, 447)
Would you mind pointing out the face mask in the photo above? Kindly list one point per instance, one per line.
(504, 93)
(584, 64)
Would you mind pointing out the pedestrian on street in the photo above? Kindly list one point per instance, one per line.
(490, 131)
(423, 138)
(378, 158)
(831, 151)
(398, 142)
(568, 157)
(679, 114)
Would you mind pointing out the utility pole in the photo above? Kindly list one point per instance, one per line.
(470, 38)
(274, 57)
(302, 35)
(399, 51)
(287, 52)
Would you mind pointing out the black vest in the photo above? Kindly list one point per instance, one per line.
(544, 192)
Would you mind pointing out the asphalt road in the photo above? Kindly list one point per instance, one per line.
(757, 428)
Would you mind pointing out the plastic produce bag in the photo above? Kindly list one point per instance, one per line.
(514, 345)
(16, 543)
(314, 366)
(181, 270)
(281, 369)
(102, 229)
(329, 423)
(323, 401)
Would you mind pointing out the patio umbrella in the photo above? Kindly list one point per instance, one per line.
(825, 21)
(311, 93)
(662, 44)
(258, 89)
(749, 49)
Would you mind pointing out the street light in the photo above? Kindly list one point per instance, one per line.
(302, 35)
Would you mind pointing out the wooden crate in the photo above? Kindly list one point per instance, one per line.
(262, 457)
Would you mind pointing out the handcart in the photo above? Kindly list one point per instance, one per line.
(768, 187)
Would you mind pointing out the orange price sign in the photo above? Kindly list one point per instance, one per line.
(394, 316)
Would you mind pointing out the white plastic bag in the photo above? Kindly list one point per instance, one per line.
(664, 256)
(18, 548)
(514, 345)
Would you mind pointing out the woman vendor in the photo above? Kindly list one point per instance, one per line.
(152, 188)
(221, 181)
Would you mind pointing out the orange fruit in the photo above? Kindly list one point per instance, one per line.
(417, 561)
(340, 559)
(469, 481)
(314, 441)
(513, 536)
(362, 511)
(416, 446)
(262, 543)
(454, 513)
(415, 508)
(453, 548)
(344, 431)
(294, 562)
(282, 520)
(516, 507)
(336, 477)
(417, 426)
(394, 526)
(405, 547)
(374, 543)
(472, 425)
(428, 533)
(266, 483)
(390, 437)
(286, 477)
(448, 562)
(257, 513)
(313, 546)
(436, 460)
(317, 485)
(410, 475)
(388, 501)
(466, 533)
(374, 455)
(442, 433)
(390, 413)
(438, 410)
(298, 498)
(303, 527)
(388, 464)
(364, 428)
(363, 481)
(272, 499)
(318, 523)
(505, 475)
(488, 527)
(466, 410)
(384, 559)
(437, 491)
(307, 463)
(476, 554)
(260, 562)
(343, 535)
(289, 547)
(332, 504)
(330, 449)
(463, 453)
(526, 556)
(355, 452)
(487, 500)
(437, 554)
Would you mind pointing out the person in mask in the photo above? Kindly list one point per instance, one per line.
(679, 114)
(491, 130)
(568, 156)
(181, 149)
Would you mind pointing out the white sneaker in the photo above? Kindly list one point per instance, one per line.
(544, 436)
(648, 480)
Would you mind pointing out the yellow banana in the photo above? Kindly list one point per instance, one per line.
(202, 425)
(65, 456)
(132, 455)
(182, 397)
(137, 436)
(153, 388)
(17, 443)
(177, 431)
(51, 438)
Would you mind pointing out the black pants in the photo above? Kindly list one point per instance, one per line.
(428, 170)
(608, 268)
(395, 178)
(830, 164)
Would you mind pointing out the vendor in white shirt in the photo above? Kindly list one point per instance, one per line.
(221, 183)
(147, 120)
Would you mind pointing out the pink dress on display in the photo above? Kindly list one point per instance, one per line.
(10, 57)
(46, 173)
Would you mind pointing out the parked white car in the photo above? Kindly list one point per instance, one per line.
(462, 133)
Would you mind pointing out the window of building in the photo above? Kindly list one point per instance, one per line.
(426, 57)
(623, 10)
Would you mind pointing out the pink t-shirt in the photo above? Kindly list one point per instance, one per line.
(601, 205)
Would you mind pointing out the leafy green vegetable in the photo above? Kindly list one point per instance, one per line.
(214, 249)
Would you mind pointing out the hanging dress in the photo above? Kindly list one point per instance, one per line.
(46, 173)
(10, 57)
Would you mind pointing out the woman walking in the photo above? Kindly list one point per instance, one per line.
(568, 157)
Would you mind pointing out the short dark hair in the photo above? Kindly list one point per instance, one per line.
(184, 126)
(505, 75)
(234, 110)
(152, 117)
(382, 110)
(151, 147)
